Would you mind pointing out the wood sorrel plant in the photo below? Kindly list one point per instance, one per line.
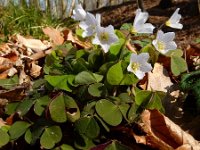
(85, 93)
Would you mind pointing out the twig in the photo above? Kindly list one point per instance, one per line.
(140, 4)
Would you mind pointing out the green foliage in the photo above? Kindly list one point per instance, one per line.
(178, 64)
(109, 112)
(115, 74)
(150, 100)
(57, 109)
(115, 145)
(9, 83)
(84, 93)
(87, 126)
(28, 21)
(60, 82)
(190, 83)
(4, 138)
(18, 129)
(50, 137)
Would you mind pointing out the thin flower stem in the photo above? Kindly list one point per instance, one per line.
(160, 27)
(140, 4)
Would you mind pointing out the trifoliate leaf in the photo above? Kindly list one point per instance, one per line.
(18, 129)
(109, 112)
(115, 74)
(50, 137)
(57, 109)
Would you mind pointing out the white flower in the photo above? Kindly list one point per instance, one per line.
(105, 37)
(164, 42)
(139, 65)
(89, 24)
(139, 25)
(79, 13)
(173, 21)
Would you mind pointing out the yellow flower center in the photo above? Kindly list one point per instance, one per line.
(168, 23)
(135, 66)
(161, 45)
(133, 30)
(104, 37)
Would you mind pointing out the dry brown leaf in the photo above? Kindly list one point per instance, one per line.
(2, 122)
(68, 35)
(15, 94)
(23, 77)
(12, 71)
(12, 56)
(159, 79)
(35, 70)
(4, 49)
(162, 133)
(10, 119)
(5, 64)
(54, 35)
(33, 44)
(4, 74)
(131, 47)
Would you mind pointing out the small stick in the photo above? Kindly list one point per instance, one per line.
(140, 4)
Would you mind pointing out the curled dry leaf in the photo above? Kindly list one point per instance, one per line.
(35, 70)
(5, 49)
(68, 35)
(34, 44)
(54, 35)
(12, 56)
(4, 74)
(163, 134)
(2, 122)
(15, 94)
(159, 79)
(12, 71)
(131, 47)
(23, 77)
(5, 64)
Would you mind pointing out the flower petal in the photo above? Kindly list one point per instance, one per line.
(171, 46)
(175, 16)
(134, 58)
(173, 21)
(145, 28)
(140, 75)
(78, 13)
(169, 36)
(143, 57)
(146, 67)
(176, 25)
(96, 40)
(140, 18)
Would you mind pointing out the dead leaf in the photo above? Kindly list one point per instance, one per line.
(68, 35)
(33, 44)
(2, 123)
(15, 94)
(4, 49)
(5, 64)
(162, 133)
(12, 71)
(35, 70)
(54, 35)
(23, 77)
(12, 56)
(131, 47)
(4, 74)
(10, 119)
(159, 79)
